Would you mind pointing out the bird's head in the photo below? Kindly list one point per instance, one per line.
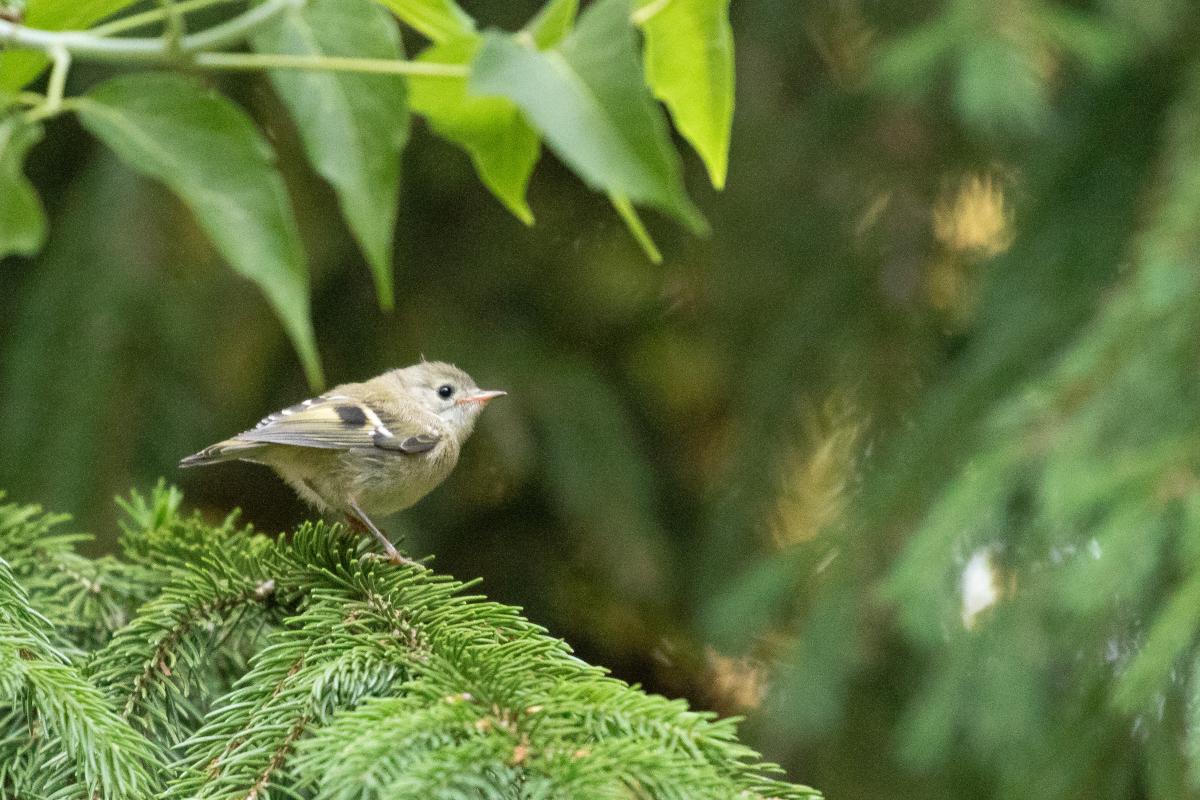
(447, 391)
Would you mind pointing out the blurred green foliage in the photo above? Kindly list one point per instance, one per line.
(947, 316)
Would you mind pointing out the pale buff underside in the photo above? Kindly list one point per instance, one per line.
(379, 482)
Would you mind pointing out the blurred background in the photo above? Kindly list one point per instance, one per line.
(900, 462)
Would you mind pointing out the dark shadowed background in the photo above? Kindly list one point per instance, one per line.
(900, 462)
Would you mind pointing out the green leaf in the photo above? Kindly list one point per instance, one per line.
(636, 227)
(590, 104)
(209, 153)
(22, 220)
(501, 143)
(552, 23)
(438, 20)
(689, 66)
(353, 126)
(19, 67)
(62, 15)
(492, 130)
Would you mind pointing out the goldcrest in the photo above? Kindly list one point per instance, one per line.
(373, 447)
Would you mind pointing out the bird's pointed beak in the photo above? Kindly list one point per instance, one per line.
(481, 397)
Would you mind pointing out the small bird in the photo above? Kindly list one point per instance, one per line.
(377, 446)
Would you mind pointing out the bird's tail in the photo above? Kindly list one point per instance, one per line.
(227, 450)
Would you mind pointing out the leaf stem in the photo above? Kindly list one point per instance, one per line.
(176, 25)
(379, 66)
(135, 21)
(55, 87)
(57, 84)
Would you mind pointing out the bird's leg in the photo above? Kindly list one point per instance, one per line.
(362, 522)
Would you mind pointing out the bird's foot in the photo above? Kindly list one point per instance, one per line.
(395, 557)
(360, 522)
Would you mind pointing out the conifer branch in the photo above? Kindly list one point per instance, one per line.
(361, 680)
(165, 648)
(108, 756)
(196, 607)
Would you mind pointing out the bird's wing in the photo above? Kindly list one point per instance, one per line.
(340, 422)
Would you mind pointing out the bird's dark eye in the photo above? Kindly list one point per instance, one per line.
(445, 391)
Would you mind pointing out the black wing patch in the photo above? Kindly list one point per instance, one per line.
(352, 416)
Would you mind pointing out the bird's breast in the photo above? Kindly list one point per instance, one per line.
(386, 482)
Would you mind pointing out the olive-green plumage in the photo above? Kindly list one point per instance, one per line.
(373, 447)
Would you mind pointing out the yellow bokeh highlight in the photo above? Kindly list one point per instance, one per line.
(817, 474)
(974, 219)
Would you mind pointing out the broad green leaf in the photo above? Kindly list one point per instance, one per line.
(22, 220)
(19, 67)
(492, 130)
(552, 23)
(207, 151)
(502, 145)
(437, 20)
(590, 104)
(689, 66)
(61, 15)
(353, 126)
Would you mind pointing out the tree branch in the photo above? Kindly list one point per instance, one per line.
(85, 45)
(197, 49)
(157, 663)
